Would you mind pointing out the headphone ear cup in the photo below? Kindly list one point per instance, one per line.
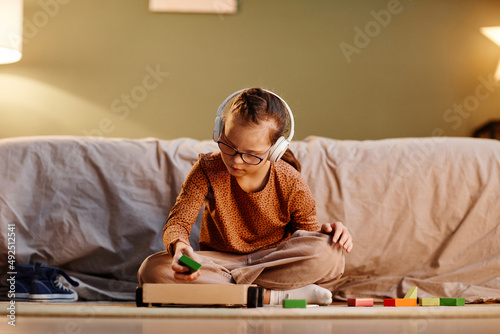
(278, 149)
(217, 128)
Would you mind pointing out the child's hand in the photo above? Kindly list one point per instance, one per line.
(340, 234)
(182, 272)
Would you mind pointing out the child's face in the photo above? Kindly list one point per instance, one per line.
(246, 139)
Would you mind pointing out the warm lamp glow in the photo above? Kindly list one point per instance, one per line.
(11, 31)
(493, 33)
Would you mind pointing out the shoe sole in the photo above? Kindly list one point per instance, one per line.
(22, 296)
(52, 297)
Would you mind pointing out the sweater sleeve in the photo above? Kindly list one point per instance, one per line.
(186, 208)
(303, 207)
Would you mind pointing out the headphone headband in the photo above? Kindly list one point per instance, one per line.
(278, 148)
(223, 105)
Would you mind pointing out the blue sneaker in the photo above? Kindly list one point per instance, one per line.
(24, 276)
(47, 286)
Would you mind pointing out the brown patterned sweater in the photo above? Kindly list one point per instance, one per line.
(236, 221)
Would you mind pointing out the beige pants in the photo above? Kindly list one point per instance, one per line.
(306, 258)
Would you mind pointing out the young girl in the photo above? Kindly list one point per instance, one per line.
(259, 223)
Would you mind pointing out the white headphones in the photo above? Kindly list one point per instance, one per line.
(279, 148)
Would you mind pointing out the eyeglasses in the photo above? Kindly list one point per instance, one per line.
(250, 159)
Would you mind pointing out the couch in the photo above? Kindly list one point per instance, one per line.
(423, 211)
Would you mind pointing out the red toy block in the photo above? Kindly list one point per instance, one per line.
(360, 302)
(398, 302)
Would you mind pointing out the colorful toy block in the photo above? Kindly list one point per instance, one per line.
(360, 302)
(452, 301)
(294, 303)
(190, 263)
(399, 302)
(429, 301)
(412, 293)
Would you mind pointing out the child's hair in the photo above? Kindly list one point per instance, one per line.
(255, 105)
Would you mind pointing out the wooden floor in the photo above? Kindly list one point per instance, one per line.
(92, 318)
(30, 325)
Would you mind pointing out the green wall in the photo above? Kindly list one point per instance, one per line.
(112, 68)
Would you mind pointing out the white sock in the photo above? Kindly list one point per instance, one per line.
(312, 293)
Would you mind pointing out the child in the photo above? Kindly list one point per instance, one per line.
(259, 224)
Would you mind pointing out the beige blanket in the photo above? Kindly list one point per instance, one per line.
(423, 212)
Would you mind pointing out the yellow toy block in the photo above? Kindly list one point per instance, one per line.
(412, 293)
(429, 301)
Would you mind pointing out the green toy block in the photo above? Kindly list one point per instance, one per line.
(294, 303)
(452, 301)
(190, 263)
(412, 293)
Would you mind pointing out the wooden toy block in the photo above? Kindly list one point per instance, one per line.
(400, 302)
(452, 301)
(190, 263)
(199, 294)
(360, 302)
(429, 301)
(294, 303)
(412, 293)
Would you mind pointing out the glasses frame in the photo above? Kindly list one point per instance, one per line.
(243, 154)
